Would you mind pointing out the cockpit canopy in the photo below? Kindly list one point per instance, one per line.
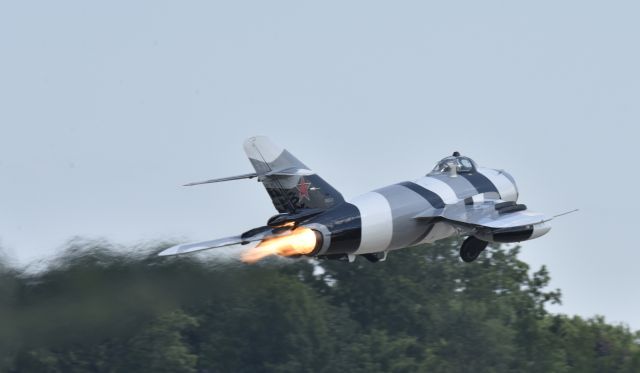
(460, 163)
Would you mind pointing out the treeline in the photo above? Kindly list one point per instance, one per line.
(423, 310)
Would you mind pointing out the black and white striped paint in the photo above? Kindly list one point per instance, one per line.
(383, 219)
(387, 214)
(462, 200)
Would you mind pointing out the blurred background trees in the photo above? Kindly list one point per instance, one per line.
(99, 310)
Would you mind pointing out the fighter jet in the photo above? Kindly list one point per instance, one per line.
(457, 198)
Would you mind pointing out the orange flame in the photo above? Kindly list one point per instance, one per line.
(301, 241)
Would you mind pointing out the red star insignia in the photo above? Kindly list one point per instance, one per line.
(303, 189)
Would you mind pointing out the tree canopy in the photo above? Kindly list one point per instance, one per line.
(423, 310)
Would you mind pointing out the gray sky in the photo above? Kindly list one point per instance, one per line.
(107, 107)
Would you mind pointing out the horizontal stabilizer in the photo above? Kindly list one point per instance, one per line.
(293, 171)
(238, 177)
(284, 172)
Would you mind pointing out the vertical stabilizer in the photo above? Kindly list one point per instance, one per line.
(290, 183)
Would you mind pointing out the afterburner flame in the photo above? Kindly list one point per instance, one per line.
(299, 242)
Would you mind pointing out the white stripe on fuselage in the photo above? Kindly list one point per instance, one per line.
(439, 187)
(440, 230)
(377, 222)
(506, 189)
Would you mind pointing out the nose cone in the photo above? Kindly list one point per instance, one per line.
(540, 230)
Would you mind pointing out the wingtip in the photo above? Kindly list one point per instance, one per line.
(173, 250)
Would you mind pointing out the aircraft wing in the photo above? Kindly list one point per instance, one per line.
(256, 234)
(484, 215)
(204, 245)
(253, 235)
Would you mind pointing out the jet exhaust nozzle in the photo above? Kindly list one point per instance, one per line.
(299, 241)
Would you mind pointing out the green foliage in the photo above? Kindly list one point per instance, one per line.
(160, 345)
(96, 310)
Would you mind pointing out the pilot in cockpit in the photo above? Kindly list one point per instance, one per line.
(454, 164)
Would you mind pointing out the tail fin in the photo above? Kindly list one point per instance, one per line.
(290, 183)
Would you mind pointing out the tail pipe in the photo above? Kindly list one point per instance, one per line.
(319, 243)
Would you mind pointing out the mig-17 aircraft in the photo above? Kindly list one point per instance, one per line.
(457, 198)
